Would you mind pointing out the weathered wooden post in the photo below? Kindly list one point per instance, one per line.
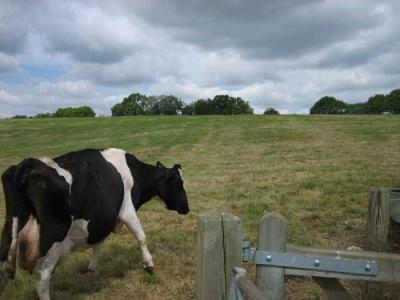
(219, 249)
(377, 233)
(272, 234)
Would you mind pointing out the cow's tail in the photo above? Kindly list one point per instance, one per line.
(7, 259)
(22, 205)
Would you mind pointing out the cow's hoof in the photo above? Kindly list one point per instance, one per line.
(149, 270)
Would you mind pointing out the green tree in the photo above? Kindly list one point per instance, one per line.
(152, 107)
(202, 107)
(68, 112)
(43, 115)
(375, 105)
(188, 109)
(356, 109)
(221, 105)
(241, 107)
(328, 105)
(227, 105)
(169, 105)
(133, 105)
(271, 111)
(392, 102)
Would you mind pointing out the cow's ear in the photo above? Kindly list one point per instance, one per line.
(159, 164)
(177, 166)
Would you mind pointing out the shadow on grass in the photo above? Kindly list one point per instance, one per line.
(72, 280)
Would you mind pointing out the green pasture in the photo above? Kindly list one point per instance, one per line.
(314, 170)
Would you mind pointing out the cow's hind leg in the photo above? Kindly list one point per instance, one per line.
(46, 265)
(93, 261)
(131, 220)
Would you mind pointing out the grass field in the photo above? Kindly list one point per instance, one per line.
(314, 170)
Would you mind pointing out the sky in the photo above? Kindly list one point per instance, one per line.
(284, 54)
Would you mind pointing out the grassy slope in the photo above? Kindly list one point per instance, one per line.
(315, 170)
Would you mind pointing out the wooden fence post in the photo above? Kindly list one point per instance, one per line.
(233, 246)
(219, 248)
(377, 233)
(272, 234)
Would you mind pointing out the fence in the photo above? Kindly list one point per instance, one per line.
(220, 249)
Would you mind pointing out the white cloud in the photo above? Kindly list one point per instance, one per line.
(283, 111)
(268, 93)
(80, 88)
(9, 104)
(304, 111)
(7, 98)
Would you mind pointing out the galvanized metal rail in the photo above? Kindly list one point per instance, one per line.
(310, 262)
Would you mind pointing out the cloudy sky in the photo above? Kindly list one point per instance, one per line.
(284, 54)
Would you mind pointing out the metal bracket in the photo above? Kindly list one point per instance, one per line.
(248, 252)
(309, 262)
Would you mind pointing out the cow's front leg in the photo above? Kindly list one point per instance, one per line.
(46, 265)
(132, 222)
(147, 258)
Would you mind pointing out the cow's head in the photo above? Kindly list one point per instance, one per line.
(171, 190)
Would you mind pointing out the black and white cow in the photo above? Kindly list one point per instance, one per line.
(75, 201)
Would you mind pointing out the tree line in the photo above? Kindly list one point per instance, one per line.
(378, 104)
(138, 104)
(69, 112)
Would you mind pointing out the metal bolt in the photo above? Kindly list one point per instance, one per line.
(269, 258)
(316, 263)
(367, 267)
